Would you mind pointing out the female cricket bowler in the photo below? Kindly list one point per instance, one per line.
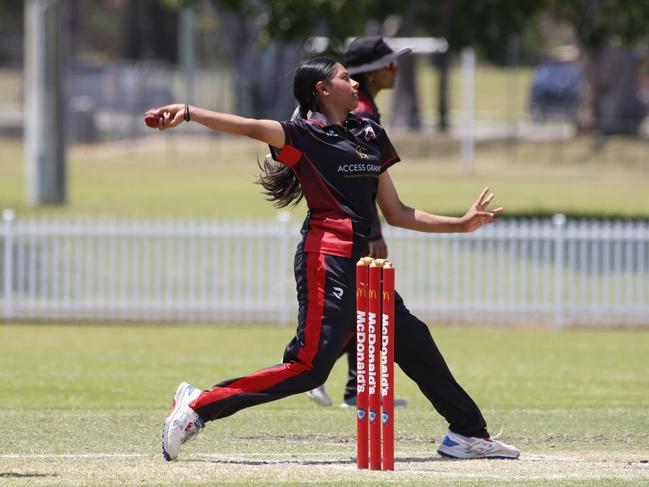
(372, 63)
(339, 164)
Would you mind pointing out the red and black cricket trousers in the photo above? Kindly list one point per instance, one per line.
(326, 291)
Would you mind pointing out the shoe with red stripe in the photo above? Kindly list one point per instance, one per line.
(183, 424)
(465, 447)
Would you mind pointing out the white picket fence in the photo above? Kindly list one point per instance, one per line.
(538, 271)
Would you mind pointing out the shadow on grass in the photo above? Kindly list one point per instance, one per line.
(350, 461)
(17, 475)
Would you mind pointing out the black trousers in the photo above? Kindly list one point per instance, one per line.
(326, 290)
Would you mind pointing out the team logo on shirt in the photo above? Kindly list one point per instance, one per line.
(359, 168)
(368, 133)
(362, 153)
(337, 292)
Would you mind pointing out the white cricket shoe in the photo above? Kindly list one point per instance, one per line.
(319, 396)
(458, 446)
(183, 423)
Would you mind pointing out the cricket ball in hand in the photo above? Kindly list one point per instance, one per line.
(152, 120)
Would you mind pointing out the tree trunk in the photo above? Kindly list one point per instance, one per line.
(586, 113)
(619, 109)
(442, 63)
(404, 111)
(263, 76)
(274, 80)
(610, 104)
(150, 31)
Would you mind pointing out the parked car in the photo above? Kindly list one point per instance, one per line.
(555, 90)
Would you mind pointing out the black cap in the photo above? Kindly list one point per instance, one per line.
(366, 54)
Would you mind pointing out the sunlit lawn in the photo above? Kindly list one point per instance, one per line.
(84, 405)
(173, 176)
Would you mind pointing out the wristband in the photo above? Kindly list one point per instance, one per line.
(186, 113)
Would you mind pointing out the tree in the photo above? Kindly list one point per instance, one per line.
(11, 26)
(405, 104)
(487, 26)
(288, 21)
(265, 40)
(151, 30)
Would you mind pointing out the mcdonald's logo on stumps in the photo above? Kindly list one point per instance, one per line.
(362, 438)
(375, 362)
(387, 366)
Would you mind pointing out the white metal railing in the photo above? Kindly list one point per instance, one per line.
(534, 271)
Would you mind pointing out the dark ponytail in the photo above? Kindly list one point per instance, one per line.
(278, 180)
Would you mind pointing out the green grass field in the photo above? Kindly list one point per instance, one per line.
(189, 177)
(84, 405)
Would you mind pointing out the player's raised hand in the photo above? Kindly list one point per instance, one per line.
(479, 214)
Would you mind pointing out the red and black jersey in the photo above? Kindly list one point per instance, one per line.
(366, 108)
(338, 168)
